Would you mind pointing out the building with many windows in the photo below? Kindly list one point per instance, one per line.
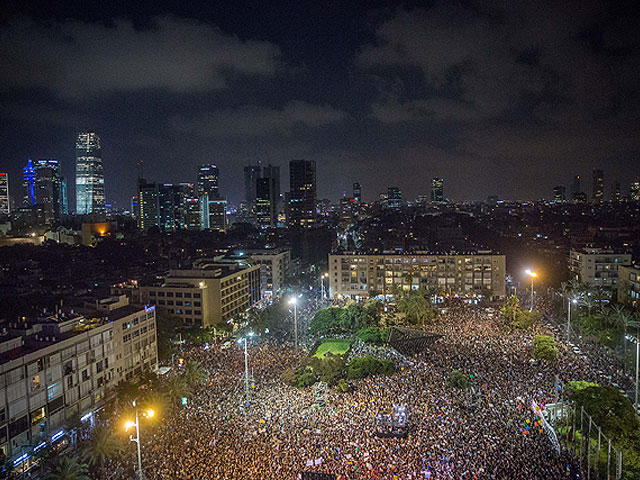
(209, 294)
(208, 178)
(56, 368)
(90, 196)
(5, 203)
(597, 267)
(437, 190)
(469, 275)
(629, 285)
(275, 268)
(301, 207)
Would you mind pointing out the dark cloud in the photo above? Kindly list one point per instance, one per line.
(252, 120)
(74, 58)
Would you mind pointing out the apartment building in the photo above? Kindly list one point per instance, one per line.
(629, 285)
(60, 367)
(469, 275)
(597, 266)
(209, 294)
(275, 268)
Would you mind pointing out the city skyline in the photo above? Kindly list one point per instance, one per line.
(352, 103)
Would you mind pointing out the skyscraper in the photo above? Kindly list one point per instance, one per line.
(48, 189)
(272, 172)
(597, 194)
(208, 177)
(251, 175)
(437, 190)
(213, 213)
(617, 192)
(302, 193)
(265, 203)
(148, 205)
(575, 187)
(559, 194)
(394, 197)
(5, 204)
(90, 197)
(29, 184)
(357, 192)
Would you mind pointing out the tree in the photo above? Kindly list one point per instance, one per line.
(457, 380)
(102, 446)
(194, 372)
(416, 308)
(624, 320)
(545, 348)
(588, 302)
(510, 308)
(178, 388)
(67, 468)
(329, 320)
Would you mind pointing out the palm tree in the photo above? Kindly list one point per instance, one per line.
(67, 468)
(178, 388)
(194, 372)
(625, 320)
(102, 446)
(588, 302)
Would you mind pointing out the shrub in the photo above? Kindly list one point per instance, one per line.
(373, 335)
(289, 377)
(457, 379)
(544, 348)
(361, 367)
(342, 386)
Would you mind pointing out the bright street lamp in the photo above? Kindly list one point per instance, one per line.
(147, 413)
(246, 366)
(533, 275)
(293, 301)
(574, 301)
(324, 275)
(637, 340)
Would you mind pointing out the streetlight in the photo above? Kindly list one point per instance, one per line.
(533, 275)
(574, 301)
(246, 366)
(147, 413)
(637, 340)
(324, 275)
(294, 302)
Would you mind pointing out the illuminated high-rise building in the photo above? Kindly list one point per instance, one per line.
(208, 177)
(29, 184)
(559, 194)
(90, 196)
(597, 194)
(213, 213)
(251, 175)
(265, 203)
(357, 192)
(394, 197)
(437, 190)
(5, 204)
(48, 189)
(302, 194)
(148, 205)
(616, 196)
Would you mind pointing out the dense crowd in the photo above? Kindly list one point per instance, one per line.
(284, 431)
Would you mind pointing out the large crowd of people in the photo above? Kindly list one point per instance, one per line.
(284, 431)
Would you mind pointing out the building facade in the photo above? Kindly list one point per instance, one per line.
(597, 267)
(90, 196)
(302, 194)
(629, 285)
(5, 202)
(469, 275)
(65, 366)
(208, 178)
(437, 190)
(275, 268)
(209, 295)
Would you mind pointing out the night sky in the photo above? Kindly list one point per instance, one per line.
(507, 98)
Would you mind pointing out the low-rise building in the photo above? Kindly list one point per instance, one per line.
(597, 267)
(469, 275)
(61, 367)
(629, 285)
(209, 294)
(275, 268)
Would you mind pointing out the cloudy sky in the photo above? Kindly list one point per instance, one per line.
(500, 97)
